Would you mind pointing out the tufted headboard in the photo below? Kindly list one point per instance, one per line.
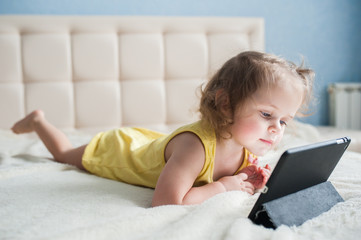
(96, 72)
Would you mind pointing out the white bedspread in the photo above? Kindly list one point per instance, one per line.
(41, 199)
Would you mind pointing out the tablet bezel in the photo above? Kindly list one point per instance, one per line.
(291, 174)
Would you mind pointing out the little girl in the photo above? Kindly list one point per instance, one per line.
(244, 110)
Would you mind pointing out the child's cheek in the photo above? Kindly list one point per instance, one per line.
(252, 128)
(279, 138)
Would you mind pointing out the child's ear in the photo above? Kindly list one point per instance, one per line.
(222, 103)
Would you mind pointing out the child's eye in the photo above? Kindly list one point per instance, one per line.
(266, 115)
(283, 123)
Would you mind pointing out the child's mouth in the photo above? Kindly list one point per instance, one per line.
(268, 142)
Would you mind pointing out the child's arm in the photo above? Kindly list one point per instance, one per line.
(185, 159)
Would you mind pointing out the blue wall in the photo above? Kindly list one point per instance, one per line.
(326, 32)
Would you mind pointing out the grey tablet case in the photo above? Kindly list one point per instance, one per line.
(298, 169)
(296, 208)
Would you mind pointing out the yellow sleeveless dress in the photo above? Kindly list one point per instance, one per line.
(136, 155)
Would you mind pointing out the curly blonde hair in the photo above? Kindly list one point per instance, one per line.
(239, 78)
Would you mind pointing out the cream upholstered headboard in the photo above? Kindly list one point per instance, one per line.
(108, 71)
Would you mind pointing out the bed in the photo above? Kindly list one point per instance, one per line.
(92, 73)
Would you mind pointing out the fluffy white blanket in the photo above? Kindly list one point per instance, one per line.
(41, 199)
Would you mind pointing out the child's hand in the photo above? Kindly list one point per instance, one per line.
(257, 176)
(237, 182)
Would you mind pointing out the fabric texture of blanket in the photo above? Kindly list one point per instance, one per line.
(41, 199)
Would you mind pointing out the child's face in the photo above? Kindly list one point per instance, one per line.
(259, 125)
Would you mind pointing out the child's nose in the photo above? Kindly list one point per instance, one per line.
(275, 127)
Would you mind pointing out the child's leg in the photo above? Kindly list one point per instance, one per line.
(54, 140)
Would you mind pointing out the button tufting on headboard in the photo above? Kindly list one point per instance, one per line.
(103, 72)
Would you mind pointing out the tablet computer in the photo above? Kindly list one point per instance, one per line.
(299, 168)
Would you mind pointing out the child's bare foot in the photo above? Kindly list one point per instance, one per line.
(26, 124)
